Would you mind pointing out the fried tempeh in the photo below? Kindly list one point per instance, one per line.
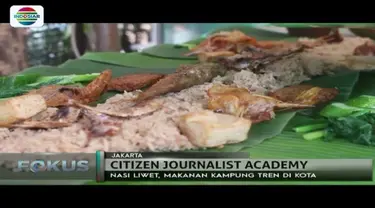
(133, 82)
(305, 94)
(20, 108)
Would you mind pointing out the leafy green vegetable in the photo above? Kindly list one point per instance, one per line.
(354, 122)
(369, 118)
(19, 90)
(314, 135)
(352, 128)
(307, 128)
(64, 80)
(356, 129)
(363, 101)
(335, 110)
(20, 84)
(15, 85)
(17, 81)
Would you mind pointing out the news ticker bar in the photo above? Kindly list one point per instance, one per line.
(181, 166)
(225, 167)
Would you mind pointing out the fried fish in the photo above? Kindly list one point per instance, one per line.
(133, 82)
(185, 77)
(58, 95)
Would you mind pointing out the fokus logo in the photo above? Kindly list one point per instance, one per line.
(26, 16)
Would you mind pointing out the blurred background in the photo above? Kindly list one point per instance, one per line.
(54, 44)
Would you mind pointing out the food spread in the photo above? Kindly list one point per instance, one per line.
(238, 83)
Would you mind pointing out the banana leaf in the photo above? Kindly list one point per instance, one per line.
(196, 41)
(136, 60)
(42, 69)
(169, 51)
(365, 85)
(363, 32)
(81, 66)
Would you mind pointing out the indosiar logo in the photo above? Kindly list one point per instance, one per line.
(26, 16)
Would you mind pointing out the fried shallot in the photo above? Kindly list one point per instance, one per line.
(305, 94)
(133, 82)
(240, 102)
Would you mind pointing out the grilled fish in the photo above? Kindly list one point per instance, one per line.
(184, 77)
(133, 82)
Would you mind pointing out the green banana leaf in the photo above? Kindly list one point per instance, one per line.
(136, 60)
(81, 66)
(169, 51)
(196, 41)
(365, 85)
(42, 69)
